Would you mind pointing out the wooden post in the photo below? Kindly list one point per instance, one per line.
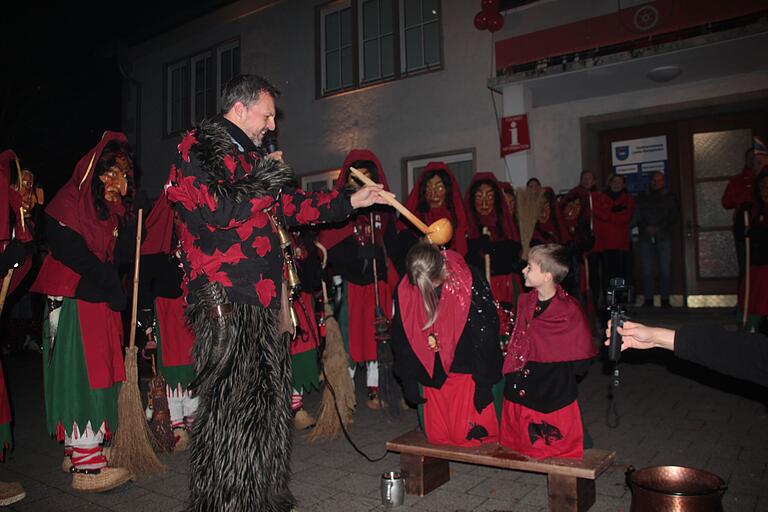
(423, 474)
(570, 494)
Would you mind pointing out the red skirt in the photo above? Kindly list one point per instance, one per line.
(542, 435)
(361, 314)
(450, 416)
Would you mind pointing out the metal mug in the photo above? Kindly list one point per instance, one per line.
(392, 489)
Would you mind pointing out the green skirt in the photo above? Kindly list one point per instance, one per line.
(305, 371)
(69, 397)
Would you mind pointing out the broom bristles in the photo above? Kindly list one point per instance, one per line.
(132, 445)
(528, 207)
(336, 365)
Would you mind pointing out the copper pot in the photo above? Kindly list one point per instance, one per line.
(675, 489)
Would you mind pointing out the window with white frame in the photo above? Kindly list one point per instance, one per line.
(193, 85)
(362, 42)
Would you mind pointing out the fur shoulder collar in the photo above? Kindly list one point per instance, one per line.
(214, 143)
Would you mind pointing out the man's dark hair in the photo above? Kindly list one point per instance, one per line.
(423, 205)
(532, 180)
(246, 89)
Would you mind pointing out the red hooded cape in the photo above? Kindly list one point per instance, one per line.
(330, 237)
(452, 313)
(73, 206)
(561, 333)
(459, 240)
(475, 225)
(555, 227)
(175, 336)
(100, 327)
(10, 200)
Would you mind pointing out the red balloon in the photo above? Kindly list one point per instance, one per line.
(481, 20)
(490, 5)
(495, 22)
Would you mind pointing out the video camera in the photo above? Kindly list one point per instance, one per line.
(618, 296)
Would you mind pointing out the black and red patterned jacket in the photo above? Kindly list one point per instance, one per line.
(223, 191)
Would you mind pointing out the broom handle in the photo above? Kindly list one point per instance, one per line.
(747, 258)
(390, 198)
(135, 305)
(487, 258)
(6, 287)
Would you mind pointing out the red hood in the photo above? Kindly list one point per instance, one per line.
(510, 231)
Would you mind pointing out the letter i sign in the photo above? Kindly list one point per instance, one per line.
(514, 134)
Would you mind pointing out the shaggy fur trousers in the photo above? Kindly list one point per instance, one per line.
(241, 438)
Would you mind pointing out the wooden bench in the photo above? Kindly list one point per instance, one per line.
(570, 482)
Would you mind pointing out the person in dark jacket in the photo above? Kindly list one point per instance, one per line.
(736, 353)
(655, 215)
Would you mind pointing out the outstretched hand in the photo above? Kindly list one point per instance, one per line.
(641, 336)
(368, 195)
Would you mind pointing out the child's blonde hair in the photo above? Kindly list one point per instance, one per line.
(552, 258)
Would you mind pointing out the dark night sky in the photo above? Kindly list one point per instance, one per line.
(61, 87)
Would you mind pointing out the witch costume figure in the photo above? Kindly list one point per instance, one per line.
(446, 344)
(352, 249)
(83, 331)
(492, 233)
(304, 346)
(436, 195)
(162, 301)
(13, 256)
(235, 205)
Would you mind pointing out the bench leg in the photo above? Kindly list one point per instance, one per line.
(570, 494)
(423, 474)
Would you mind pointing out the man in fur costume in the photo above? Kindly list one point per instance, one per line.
(162, 304)
(231, 198)
(351, 253)
(83, 331)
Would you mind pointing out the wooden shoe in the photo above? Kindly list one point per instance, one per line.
(101, 480)
(303, 420)
(10, 493)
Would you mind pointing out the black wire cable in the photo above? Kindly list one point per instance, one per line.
(300, 301)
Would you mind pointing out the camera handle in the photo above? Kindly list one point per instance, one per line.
(618, 317)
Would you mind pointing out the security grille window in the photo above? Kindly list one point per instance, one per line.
(177, 117)
(203, 87)
(420, 35)
(193, 86)
(362, 42)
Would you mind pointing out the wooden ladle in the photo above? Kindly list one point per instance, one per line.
(439, 232)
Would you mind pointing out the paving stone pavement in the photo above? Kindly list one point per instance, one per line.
(671, 412)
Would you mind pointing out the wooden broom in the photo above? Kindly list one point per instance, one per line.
(133, 442)
(338, 403)
(747, 264)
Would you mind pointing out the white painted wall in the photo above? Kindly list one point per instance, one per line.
(434, 112)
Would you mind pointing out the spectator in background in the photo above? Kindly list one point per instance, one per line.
(757, 235)
(656, 213)
(578, 201)
(534, 184)
(612, 211)
(739, 194)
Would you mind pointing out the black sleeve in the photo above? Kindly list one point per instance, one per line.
(99, 281)
(406, 239)
(406, 367)
(735, 353)
(69, 247)
(484, 324)
(475, 252)
(505, 255)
